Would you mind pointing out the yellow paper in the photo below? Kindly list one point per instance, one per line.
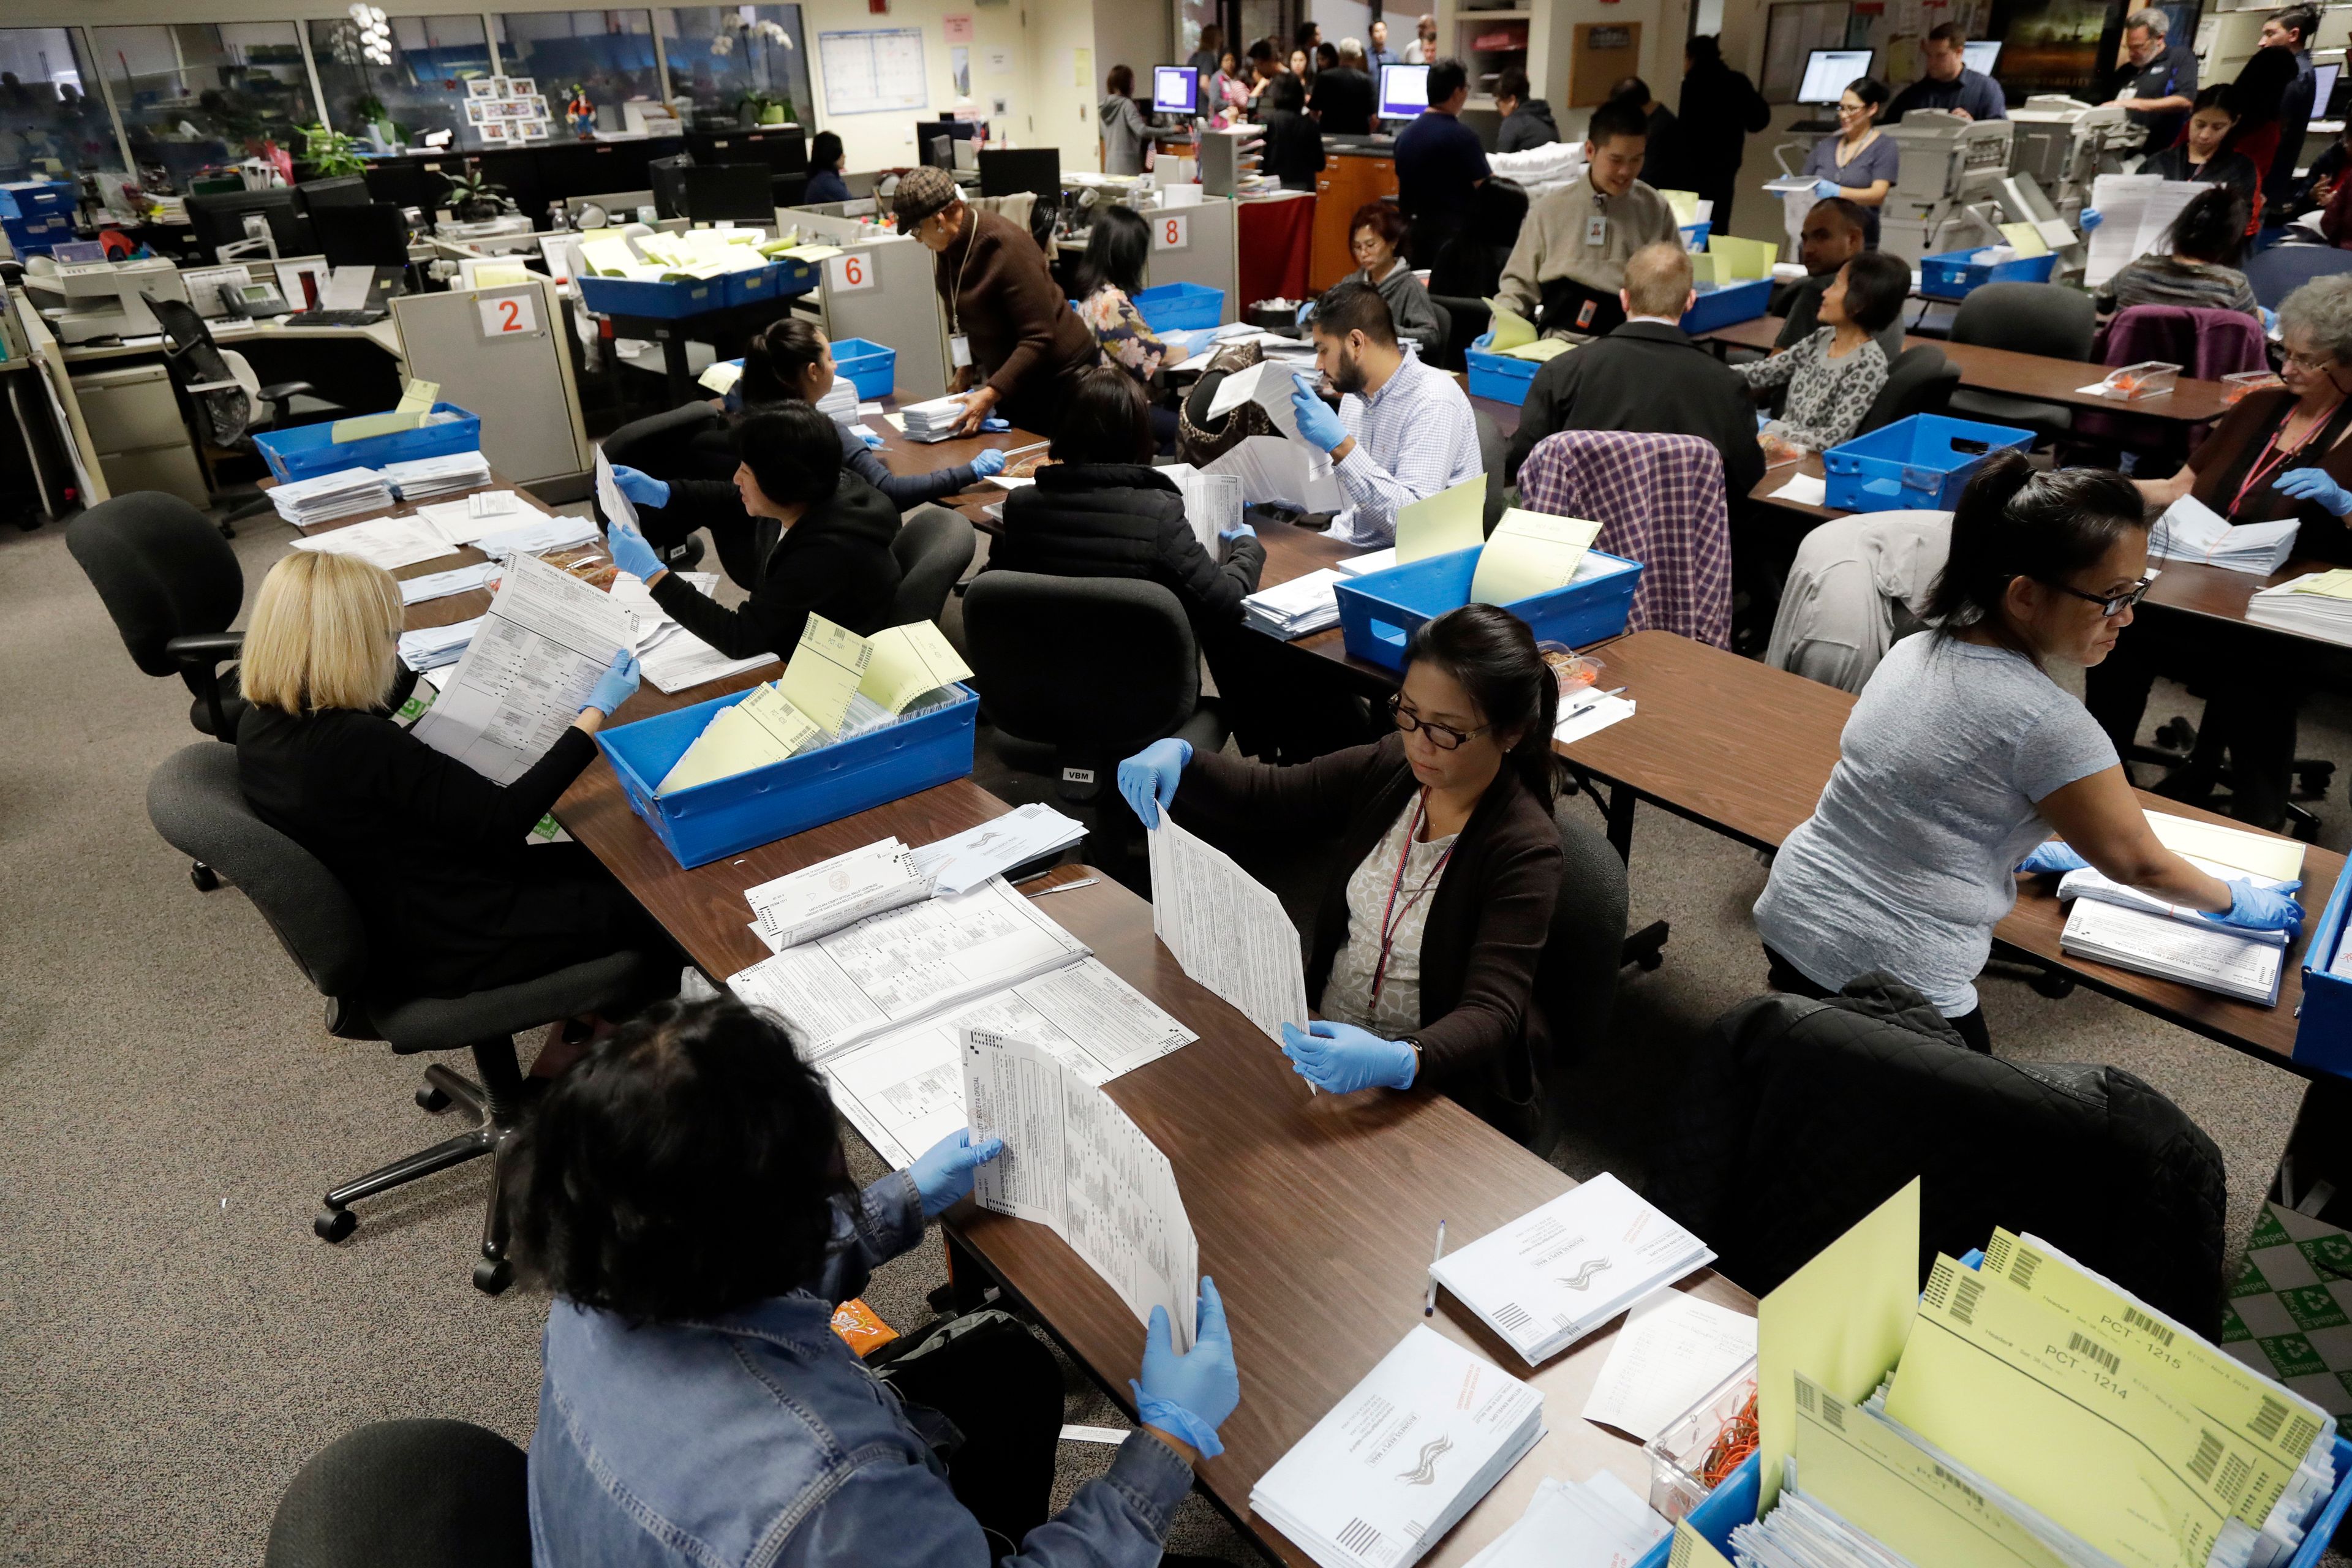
(1082, 69)
(1541, 349)
(2336, 584)
(1531, 553)
(1511, 328)
(824, 672)
(1738, 259)
(1692, 1550)
(418, 397)
(721, 376)
(908, 661)
(1841, 1319)
(2025, 239)
(806, 252)
(359, 427)
(2240, 849)
(611, 256)
(498, 274)
(759, 731)
(1686, 206)
(1452, 519)
(1705, 272)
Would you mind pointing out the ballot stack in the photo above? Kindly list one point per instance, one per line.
(935, 420)
(2315, 605)
(2135, 930)
(2191, 530)
(840, 399)
(346, 492)
(428, 479)
(1295, 608)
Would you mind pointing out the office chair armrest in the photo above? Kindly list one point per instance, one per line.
(200, 657)
(229, 385)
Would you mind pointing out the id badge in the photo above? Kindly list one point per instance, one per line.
(1596, 230)
(960, 350)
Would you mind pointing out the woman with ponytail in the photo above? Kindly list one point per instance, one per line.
(1445, 868)
(1962, 754)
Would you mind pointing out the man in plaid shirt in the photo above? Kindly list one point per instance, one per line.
(1404, 430)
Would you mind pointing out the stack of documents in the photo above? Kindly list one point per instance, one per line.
(840, 400)
(1672, 1351)
(2317, 605)
(1596, 1523)
(1213, 502)
(2138, 930)
(1228, 929)
(441, 584)
(544, 531)
(971, 857)
(2191, 530)
(1531, 553)
(1557, 1273)
(478, 515)
(1276, 471)
(672, 657)
(430, 648)
(1294, 609)
(935, 420)
(819, 899)
(423, 478)
(346, 492)
(392, 542)
(1400, 1459)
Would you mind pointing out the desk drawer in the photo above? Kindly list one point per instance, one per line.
(173, 469)
(129, 408)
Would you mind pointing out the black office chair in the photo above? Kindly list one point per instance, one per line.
(406, 1494)
(1922, 381)
(194, 801)
(933, 546)
(1576, 981)
(662, 445)
(2025, 318)
(1444, 355)
(2283, 269)
(2193, 757)
(223, 391)
(1494, 453)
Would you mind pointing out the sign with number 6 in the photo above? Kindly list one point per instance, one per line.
(844, 273)
(510, 315)
(1172, 231)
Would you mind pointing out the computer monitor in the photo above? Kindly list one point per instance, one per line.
(370, 234)
(1829, 72)
(344, 190)
(2324, 89)
(569, 169)
(1010, 171)
(1404, 91)
(408, 183)
(783, 149)
(926, 136)
(667, 178)
(737, 193)
(1175, 89)
(1979, 55)
(219, 219)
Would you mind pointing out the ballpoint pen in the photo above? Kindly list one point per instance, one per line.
(1428, 1301)
(1591, 703)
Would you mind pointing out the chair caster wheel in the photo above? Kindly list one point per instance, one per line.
(333, 1225)
(1651, 960)
(2055, 986)
(205, 879)
(493, 1275)
(431, 1099)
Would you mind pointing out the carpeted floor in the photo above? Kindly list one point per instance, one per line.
(175, 1342)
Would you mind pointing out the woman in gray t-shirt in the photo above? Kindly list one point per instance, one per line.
(1962, 754)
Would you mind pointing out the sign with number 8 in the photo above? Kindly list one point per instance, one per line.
(1172, 231)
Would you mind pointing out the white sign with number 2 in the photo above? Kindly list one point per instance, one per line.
(844, 273)
(508, 315)
(1172, 231)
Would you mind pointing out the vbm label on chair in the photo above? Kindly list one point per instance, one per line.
(1078, 776)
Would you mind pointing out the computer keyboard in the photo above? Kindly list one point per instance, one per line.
(333, 317)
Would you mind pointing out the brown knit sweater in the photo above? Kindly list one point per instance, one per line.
(1002, 296)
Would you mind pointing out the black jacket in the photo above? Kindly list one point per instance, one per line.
(835, 562)
(1720, 109)
(1118, 519)
(1344, 101)
(1652, 379)
(1530, 125)
(1294, 148)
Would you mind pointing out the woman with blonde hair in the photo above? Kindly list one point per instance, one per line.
(454, 895)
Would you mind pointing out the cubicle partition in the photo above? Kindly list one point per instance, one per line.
(500, 352)
(880, 287)
(1198, 244)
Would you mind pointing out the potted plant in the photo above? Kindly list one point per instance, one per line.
(331, 153)
(758, 107)
(473, 197)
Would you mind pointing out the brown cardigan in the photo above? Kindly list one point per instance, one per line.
(1483, 1038)
(2223, 461)
(1024, 334)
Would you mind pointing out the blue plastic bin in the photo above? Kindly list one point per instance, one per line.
(727, 816)
(39, 199)
(776, 280)
(35, 237)
(1380, 611)
(1952, 274)
(1176, 305)
(1919, 464)
(307, 451)
(668, 301)
(1694, 235)
(2323, 1031)
(1500, 376)
(872, 367)
(1730, 303)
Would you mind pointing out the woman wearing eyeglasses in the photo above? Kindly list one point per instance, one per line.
(1962, 754)
(1447, 865)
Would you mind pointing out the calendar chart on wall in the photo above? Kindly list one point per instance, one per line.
(873, 70)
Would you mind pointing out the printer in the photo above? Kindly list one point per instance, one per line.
(2063, 144)
(1949, 164)
(84, 302)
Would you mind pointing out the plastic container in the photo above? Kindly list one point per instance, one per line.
(1677, 1454)
(1729, 303)
(873, 368)
(2245, 381)
(1380, 611)
(2323, 1031)
(2148, 378)
(659, 301)
(1919, 464)
(35, 237)
(1694, 235)
(1500, 376)
(727, 816)
(35, 199)
(1953, 274)
(776, 280)
(1174, 307)
(308, 450)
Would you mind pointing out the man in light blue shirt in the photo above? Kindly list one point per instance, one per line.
(1403, 430)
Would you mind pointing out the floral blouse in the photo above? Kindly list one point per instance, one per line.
(1126, 341)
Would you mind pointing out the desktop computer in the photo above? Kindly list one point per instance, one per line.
(1981, 56)
(342, 190)
(930, 133)
(1010, 171)
(219, 220)
(666, 177)
(1404, 91)
(407, 183)
(373, 235)
(783, 149)
(737, 193)
(1829, 72)
(568, 169)
(1176, 89)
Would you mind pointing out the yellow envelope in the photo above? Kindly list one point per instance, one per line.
(498, 274)
(418, 397)
(824, 672)
(1740, 258)
(610, 257)
(1686, 206)
(1531, 553)
(908, 661)
(2336, 584)
(1692, 1550)
(1511, 328)
(720, 378)
(1705, 269)
(361, 426)
(2025, 239)
(1452, 519)
(760, 731)
(1540, 350)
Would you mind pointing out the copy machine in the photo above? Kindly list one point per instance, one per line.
(84, 302)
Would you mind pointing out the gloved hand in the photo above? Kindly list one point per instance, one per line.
(2090, 218)
(631, 553)
(2270, 317)
(2313, 485)
(1306, 309)
(943, 1173)
(990, 461)
(616, 685)
(641, 488)
(1189, 1395)
(1238, 531)
(2053, 855)
(1317, 421)
(2262, 909)
(1825, 189)
(1341, 1058)
(1146, 781)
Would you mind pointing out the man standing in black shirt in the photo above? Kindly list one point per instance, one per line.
(1439, 162)
(1343, 94)
(2155, 83)
(1720, 109)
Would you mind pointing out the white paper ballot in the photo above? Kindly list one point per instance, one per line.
(971, 857)
(1672, 1349)
(1228, 931)
(1290, 473)
(1076, 1164)
(441, 584)
(826, 896)
(1597, 1523)
(617, 508)
(1266, 384)
(2136, 211)
(391, 543)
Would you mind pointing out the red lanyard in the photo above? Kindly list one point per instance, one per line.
(1388, 927)
(2260, 474)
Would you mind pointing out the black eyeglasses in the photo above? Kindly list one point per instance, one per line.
(1444, 737)
(2110, 605)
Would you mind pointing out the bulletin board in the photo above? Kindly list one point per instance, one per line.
(1601, 54)
(873, 72)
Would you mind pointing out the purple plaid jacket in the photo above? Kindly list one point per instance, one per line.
(1659, 500)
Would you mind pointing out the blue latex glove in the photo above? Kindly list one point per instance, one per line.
(1238, 531)
(1341, 1058)
(1305, 308)
(994, 425)
(1189, 1395)
(616, 685)
(631, 553)
(641, 488)
(2090, 218)
(1317, 421)
(1825, 189)
(2270, 317)
(2313, 485)
(943, 1173)
(990, 461)
(1762, 420)
(2262, 909)
(1146, 781)
(2052, 855)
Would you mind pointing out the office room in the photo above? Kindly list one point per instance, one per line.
(1045, 755)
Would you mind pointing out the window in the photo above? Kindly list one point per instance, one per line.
(422, 88)
(52, 121)
(607, 53)
(197, 95)
(718, 55)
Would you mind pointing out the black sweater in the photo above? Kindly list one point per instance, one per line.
(1647, 377)
(835, 561)
(1117, 520)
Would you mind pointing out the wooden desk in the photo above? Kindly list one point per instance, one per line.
(1745, 749)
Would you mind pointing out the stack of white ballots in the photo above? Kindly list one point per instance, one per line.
(2140, 932)
(840, 400)
(1557, 1272)
(821, 899)
(423, 478)
(966, 859)
(933, 421)
(2316, 605)
(346, 492)
(1403, 1456)
(2191, 530)
(1598, 1524)
(1292, 609)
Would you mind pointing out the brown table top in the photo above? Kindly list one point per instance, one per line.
(1745, 749)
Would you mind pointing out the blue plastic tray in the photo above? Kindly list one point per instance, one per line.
(1919, 464)
(1174, 307)
(307, 451)
(776, 280)
(1951, 275)
(1694, 235)
(1380, 611)
(39, 199)
(727, 816)
(1500, 376)
(1741, 301)
(630, 297)
(2323, 1031)
(873, 368)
